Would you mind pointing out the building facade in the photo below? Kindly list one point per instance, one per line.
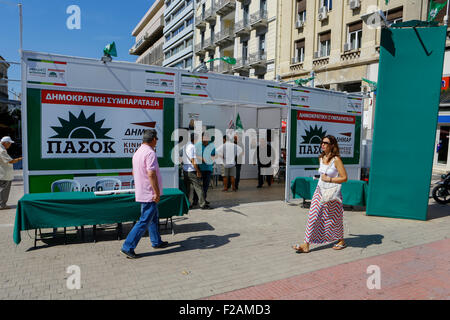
(242, 29)
(3, 84)
(179, 34)
(149, 36)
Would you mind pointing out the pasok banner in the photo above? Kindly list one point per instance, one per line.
(313, 126)
(94, 125)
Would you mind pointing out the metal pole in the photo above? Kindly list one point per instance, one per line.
(446, 15)
(21, 28)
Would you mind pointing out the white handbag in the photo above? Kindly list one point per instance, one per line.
(330, 191)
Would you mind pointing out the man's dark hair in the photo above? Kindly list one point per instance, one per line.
(149, 135)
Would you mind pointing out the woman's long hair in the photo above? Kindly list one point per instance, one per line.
(334, 148)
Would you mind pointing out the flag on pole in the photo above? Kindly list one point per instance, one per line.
(239, 126)
(231, 123)
(435, 8)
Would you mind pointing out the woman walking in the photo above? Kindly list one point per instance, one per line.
(326, 219)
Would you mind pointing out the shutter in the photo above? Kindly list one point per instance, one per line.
(325, 36)
(300, 44)
(395, 14)
(301, 5)
(355, 26)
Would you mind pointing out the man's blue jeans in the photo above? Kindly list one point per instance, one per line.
(149, 221)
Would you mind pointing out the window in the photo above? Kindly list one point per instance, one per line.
(188, 42)
(188, 62)
(246, 13)
(262, 43)
(189, 21)
(324, 44)
(202, 38)
(244, 50)
(301, 10)
(326, 3)
(211, 63)
(263, 5)
(396, 15)
(355, 35)
(212, 33)
(299, 51)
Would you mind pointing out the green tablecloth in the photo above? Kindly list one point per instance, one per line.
(69, 209)
(354, 192)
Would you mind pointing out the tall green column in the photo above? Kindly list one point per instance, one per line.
(409, 77)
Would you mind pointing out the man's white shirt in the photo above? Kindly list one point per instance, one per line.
(189, 153)
(226, 154)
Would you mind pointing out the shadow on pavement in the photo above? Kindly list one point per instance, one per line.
(192, 243)
(436, 211)
(357, 241)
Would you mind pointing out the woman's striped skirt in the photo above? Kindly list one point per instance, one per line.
(325, 221)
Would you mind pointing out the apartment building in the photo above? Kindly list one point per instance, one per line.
(329, 38)
(149, 36)
(243, 29)
(3, 84)
(179, 34)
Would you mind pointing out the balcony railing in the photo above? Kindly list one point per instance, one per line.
(241, 64)
(224, 37)
(242, 27)
(296, 60)
(259, 19)
(210, 14)
(223, 7)
(258, 58)
(200, 21)
(209, 44)
(222, 67)
(199, 49)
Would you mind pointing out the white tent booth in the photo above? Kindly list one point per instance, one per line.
(83, 118)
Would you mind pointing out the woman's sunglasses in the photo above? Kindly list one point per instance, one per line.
(324, 142)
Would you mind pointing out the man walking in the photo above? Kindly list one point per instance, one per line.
(206, 166)
(6, 171)
(228, 152)
(148, 189)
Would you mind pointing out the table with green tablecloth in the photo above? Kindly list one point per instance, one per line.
(70, 209)
(354, 192)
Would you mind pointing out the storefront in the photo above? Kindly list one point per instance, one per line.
(441, 162)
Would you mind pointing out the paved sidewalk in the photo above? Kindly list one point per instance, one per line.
(213, 252)
(420, 272)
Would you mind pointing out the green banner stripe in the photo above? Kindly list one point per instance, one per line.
(194, 95)
(47, 61)
(47, 83)
(298, 90)
(299, 105)
(160, 72)
(155, 91)
(192, 76)
(270, 102)
(277, 87)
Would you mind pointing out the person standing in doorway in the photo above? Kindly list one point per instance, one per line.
(326, 220)
(264, 163)
(228, 152)
(148, 190)
(239, 162)
(6, 171)
(206, 166)
(192, 173)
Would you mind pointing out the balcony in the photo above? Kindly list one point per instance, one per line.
(259, 19)
(138, 47)
(257, 59)
(224, 37)
(200, 21)
(209, 44)
(242, 28)
(199, 49)
(297, 60)
(223, 7)
(210, 15)
(223, 67)
(242, 64)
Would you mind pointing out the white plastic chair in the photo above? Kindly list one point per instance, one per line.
(65, 185)
(107, 184)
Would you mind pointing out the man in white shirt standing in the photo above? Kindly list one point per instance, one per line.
(227, 153)
(192, 173)
(6, 171)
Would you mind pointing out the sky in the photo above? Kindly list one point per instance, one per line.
(45, 29)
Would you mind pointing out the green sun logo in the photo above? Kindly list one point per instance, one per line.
(314, 135)
(81, 128)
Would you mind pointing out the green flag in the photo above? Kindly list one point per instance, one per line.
(386, 1)
(110, 49)
(239, 126)
(435, 8)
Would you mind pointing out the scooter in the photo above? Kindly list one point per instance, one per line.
(441, 192)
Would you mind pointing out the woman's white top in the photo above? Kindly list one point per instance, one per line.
(328, 169)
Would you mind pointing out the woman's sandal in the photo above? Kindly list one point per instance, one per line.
(338, 246)
(298, 249)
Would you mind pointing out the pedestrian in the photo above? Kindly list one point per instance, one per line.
(192, 173)
(239, 162)
(264, 163)
(326, 220)
(148, 190)
(206, 165)
(6, 171)
(227, 154)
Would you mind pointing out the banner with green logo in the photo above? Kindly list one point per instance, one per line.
(308, 127)
(75, 130)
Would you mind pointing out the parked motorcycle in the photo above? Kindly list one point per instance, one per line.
(441, 192)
